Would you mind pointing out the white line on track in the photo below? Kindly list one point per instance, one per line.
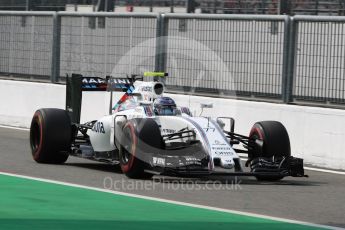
(324, 170)
(12, 127)
(171, 201)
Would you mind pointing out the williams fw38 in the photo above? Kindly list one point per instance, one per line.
(147, 134)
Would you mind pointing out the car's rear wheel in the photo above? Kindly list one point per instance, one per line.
(140, 138)
(50, 136)
(276, 143)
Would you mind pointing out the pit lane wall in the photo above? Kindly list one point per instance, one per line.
(316, 134)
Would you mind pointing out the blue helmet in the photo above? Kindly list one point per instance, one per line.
(165, 106)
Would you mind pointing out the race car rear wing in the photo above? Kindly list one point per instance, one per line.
(77, 83)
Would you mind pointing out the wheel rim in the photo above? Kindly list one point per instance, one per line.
(35, 136)
(126, 156)
(255, 135)
(127, 147)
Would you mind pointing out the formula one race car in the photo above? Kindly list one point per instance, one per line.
(148, 134)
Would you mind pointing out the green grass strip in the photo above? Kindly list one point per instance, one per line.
(30, 204)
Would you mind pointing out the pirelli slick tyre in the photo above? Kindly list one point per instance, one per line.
(140, 137)
(275, 140)
(50, 136)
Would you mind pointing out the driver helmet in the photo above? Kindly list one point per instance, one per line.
(164, 106)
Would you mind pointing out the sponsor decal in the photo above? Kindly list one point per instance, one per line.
(147, 89)
(98, 127)
(218, 143)
(101, 84)
(228, 160)
(158, 161)
(97, 80)
(93, 80)
(222, 148)
(123, 84)
(171, 161)
(119, 81)
(192, 161)
(223, 153)
(168, 131)
(148, 111)
(210, 129)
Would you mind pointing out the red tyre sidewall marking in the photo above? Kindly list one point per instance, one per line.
(39, 120)
(125, 168)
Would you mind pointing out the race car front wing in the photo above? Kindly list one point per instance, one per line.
(192, 166)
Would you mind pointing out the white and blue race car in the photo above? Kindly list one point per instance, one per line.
(147, 134)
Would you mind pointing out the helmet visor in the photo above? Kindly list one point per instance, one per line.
(167, 111)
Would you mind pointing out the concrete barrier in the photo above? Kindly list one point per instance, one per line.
(316, 134)
(20, 99)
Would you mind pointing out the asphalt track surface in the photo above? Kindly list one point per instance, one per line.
(318, 199)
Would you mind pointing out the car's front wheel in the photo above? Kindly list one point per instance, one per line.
(140, 138)
(275, 143)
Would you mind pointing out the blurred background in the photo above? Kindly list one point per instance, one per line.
(248, 48)
(291, 7)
